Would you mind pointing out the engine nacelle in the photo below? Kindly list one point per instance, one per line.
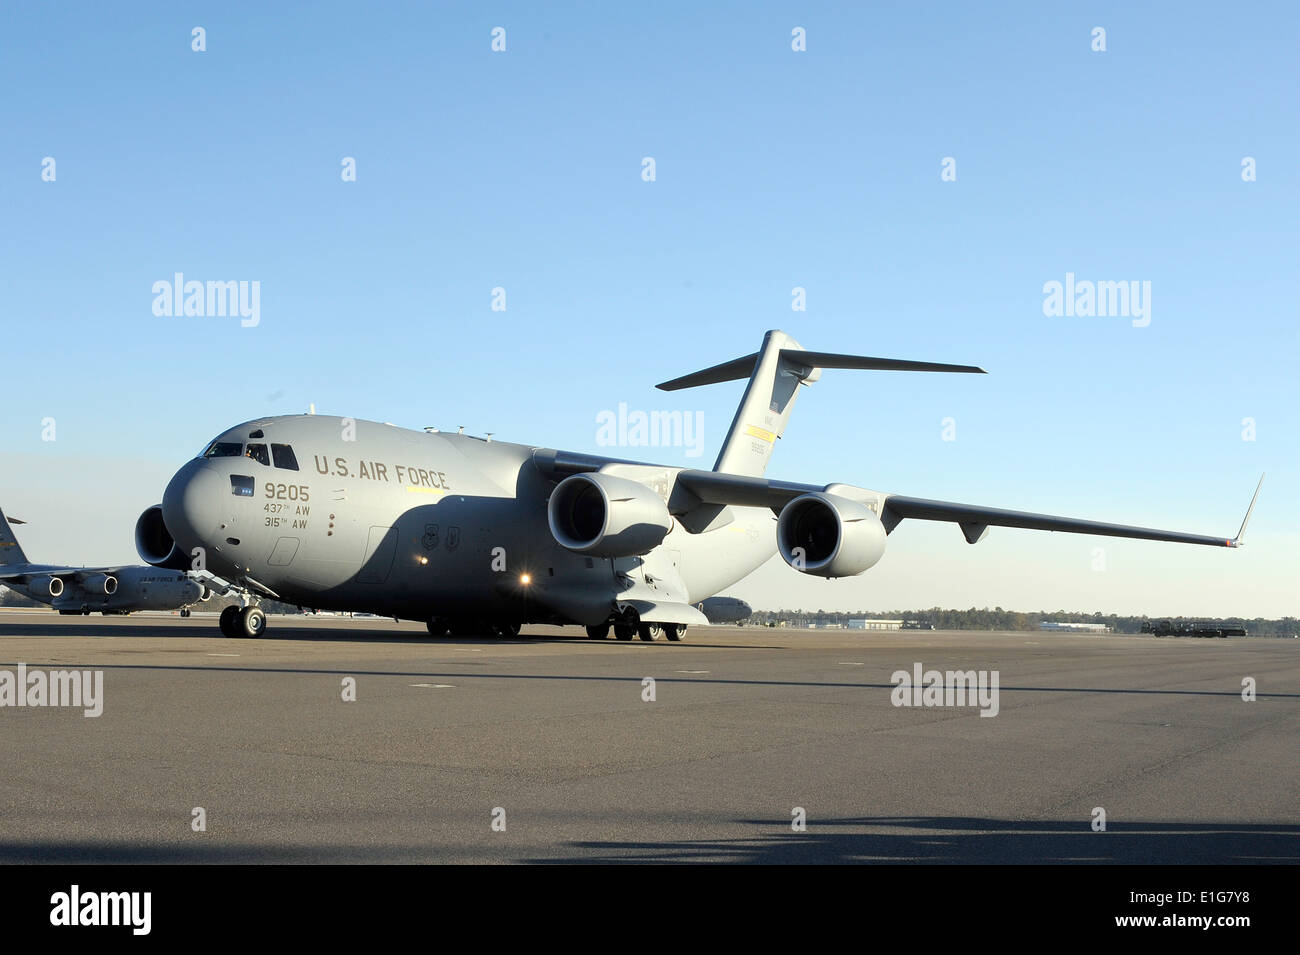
(46, 585)
(204, 594)
(154, 543)
(97, 584)
(607, 516)
(835, 537)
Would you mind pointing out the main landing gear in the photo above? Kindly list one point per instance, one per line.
(247, 621)
(630, 625)
(674, 632)
(442, 627)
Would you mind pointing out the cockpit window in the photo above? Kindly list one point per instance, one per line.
(258, 453)
(284, 457)
(224, 449)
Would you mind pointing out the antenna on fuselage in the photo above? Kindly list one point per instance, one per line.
(311, 408)
(460, 430)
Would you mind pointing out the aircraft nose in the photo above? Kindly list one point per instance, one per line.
(191, 504)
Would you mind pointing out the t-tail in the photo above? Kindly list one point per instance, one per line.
(11, 552)
(775, 373)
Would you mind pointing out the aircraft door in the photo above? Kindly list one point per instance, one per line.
(381, 549)
(286, 548)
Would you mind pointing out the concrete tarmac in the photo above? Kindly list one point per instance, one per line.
(550, 734)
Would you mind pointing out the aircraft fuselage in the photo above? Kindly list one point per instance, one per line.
(342, 514)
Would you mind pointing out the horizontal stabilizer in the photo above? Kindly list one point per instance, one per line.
(822, 359)
(739, 368)
(733, 370)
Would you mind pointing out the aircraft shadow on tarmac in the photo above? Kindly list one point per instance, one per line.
(319, 635)
(947, 840)
(615, 678)
(919, 839)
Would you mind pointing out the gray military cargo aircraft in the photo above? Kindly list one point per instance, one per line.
(725, 609)
(465, 532)
(83, 590)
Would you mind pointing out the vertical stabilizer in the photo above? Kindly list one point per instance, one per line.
(765, 408)
(11, 551)
(775, 373)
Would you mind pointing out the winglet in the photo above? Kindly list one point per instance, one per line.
(1238, 541)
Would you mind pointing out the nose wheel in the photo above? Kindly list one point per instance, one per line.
(247, 621)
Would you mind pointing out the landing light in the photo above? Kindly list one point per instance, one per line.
(422, 559)
(525, 579)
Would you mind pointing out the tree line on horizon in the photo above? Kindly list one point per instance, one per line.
(999, 619)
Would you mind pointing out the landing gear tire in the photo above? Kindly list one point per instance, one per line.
(648, 631)
(185, 613)
(251, 622)
(599, 632)
(624, 631)
(675, 631)
(227, 621)
(439, 628)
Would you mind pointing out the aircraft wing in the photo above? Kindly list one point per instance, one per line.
(38, 570)
(711, 487)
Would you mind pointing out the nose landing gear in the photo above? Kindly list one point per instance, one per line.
(247, 621)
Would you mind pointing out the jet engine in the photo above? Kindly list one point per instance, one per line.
(47, 585)
(154, 543)
(607, 516)
(829, 536)
(100, 584)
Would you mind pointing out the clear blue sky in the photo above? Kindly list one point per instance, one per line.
(775, 169)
